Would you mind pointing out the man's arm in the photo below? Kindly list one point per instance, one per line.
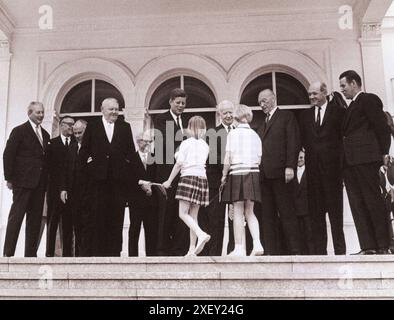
(293, 146)
(373, 108)
(9, 155)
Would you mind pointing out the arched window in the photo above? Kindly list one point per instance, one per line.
(84, 99)
(290, 92)
(201, 100)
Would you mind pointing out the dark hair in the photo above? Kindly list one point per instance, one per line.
(351, 75)
(177, 92)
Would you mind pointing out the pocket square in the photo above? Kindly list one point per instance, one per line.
(89, 160)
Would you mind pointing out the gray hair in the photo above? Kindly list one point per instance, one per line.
(81, 123)
(224, 105)
(32, 104)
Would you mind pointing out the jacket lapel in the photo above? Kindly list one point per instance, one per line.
(268, 126)
(349, 111)
(34, 135)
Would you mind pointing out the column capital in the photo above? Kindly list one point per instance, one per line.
(5, 50)
(371, 31)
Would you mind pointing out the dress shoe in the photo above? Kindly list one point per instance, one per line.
(365, 252)
(383, 251)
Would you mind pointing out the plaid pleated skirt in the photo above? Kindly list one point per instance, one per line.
(193, 189)
(241, 187)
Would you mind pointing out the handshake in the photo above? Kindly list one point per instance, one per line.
(146, 186)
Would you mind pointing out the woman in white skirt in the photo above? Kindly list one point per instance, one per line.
(241, 179)
(192, 191)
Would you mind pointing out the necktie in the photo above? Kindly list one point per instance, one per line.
(144, 160)
(318, 118)
(267, 118)
(229, 128)
(67, 142)
(39, 136)
(177, 121)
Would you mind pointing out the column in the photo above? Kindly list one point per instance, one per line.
(5, 197)
(372, 59)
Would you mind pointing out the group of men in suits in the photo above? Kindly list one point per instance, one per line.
(91, 180)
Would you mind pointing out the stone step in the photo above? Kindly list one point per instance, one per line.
(198, 278)
(298, 264)
(184, 294)
(197, 281)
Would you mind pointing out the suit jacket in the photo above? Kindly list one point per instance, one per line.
(108, 160)
(301, 196)
(73, 176)
(280, 143)
(169, 144)
(366, 134)
(138, 196)
(323, 145)
(216, 154)
(24, 158)
(57, 159)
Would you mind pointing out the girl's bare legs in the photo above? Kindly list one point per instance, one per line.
(185, 208)
(238, 224)
(254, 228)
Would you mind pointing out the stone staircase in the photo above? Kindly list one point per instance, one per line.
(350, 277)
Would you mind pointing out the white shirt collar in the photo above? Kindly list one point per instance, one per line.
(323, 107)
(355, 97)
(271, 113)
(34, 126)
(226, 126)
(64, 139)
(174, 116)
(300, 172)
(105, 122)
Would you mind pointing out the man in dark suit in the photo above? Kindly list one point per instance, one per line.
(143, 199)
(107, 153)
(216, 211)
(26, 173)
(321, 137)
(366, 143)
(280, 138)
(173, 234)
(59, 212)
(302, 207)
(73, 186)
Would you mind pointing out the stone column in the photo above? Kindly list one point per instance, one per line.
(372, 59)
(5, 59)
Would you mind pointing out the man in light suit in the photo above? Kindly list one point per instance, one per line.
(280, 138)
(321, 137)
(107, 153)
(59, 213)
(26, 173)
(366, 143)
(173, 234)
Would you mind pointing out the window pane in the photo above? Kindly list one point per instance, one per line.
(250, 95)
(160, 97)
(78, 99)
(290, 91)
(106, 90)
(199, 94)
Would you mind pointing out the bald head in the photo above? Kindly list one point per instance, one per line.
(318, 93)
(267, 100)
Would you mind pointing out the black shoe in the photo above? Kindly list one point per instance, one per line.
(383, 251)
(366, 252)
